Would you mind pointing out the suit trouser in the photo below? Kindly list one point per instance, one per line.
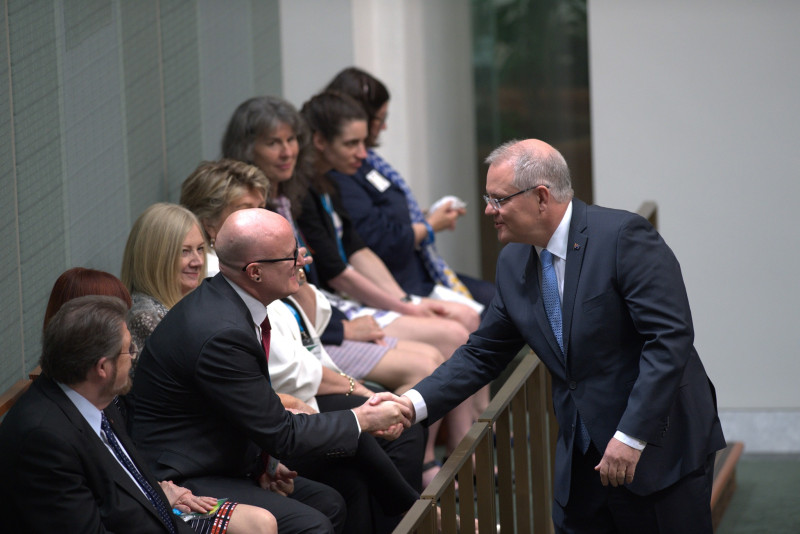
(373, 488)
(682, 508)
(312, 508)
(406, 452)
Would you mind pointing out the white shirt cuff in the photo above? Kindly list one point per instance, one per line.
(357, 423)
(420, 408)
(630, 441)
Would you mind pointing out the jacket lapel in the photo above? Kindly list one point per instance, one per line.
(121, 477)
(94, 444)
(576, 248)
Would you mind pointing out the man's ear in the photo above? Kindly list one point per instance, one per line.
(543, 197)
(103, 368)
(254, 272)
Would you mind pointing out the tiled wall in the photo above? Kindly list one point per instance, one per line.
(100, 116)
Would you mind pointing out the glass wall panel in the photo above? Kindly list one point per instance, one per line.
(531, 64)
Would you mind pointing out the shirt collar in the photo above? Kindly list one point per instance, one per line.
(258, 312)
(558, 241)
(88, 410)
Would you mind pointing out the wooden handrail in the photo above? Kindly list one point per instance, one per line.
(524, 465)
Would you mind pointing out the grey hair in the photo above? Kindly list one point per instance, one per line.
(535, 167)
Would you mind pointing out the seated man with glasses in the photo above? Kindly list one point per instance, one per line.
(66, 463)
(207, 417)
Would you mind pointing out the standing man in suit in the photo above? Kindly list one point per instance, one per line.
(599, 296)
(206, 415)
(58, 466)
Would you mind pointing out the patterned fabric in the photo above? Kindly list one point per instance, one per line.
(434, 263)
(550, 297)
(357, 358)
(214, 525)
(160, 506)
(145, 314)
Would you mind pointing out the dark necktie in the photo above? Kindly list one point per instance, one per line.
(552, 307)
(265, 335)
(152, 496)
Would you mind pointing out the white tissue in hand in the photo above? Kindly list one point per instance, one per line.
(456, 203)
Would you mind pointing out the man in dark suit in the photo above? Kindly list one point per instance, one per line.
(599, 297)
(58, 474)
(205, 412)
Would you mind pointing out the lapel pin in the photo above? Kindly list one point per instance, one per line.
(576, 246)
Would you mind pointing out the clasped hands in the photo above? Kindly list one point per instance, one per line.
(385, 415)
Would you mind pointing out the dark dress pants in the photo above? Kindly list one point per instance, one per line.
(376, 492)
(682, 508)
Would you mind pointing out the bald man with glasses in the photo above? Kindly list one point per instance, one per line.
(206, 415)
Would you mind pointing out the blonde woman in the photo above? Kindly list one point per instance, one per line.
(164, 259)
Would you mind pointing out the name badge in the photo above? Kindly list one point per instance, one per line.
(378, 181)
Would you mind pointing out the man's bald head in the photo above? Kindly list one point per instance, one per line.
(249, 234)
(535, 163)
(245, 240)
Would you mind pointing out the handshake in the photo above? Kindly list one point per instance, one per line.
(385, 415)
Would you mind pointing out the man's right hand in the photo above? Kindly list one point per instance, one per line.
(384, 415)
(282, 482)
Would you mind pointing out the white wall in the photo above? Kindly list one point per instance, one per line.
(422, 52)
(316, 43)
(226, 67)
(695, 105)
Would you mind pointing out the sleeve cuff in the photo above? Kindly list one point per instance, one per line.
(420, 408)
(357, 423)
(630, 441)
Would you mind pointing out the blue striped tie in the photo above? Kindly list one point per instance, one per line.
(148, 490)
(550, 296)
(552, 307)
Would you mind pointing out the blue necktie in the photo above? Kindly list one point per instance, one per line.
(148, 490)
(552, 301)
(552, 307)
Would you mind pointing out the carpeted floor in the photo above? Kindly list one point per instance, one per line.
(767, 498)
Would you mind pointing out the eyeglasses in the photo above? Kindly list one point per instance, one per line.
(292, 258)
(132, 351)
(496, 203)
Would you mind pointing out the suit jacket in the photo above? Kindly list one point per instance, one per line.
(58, 476)
(628, 335)
(204, 405)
